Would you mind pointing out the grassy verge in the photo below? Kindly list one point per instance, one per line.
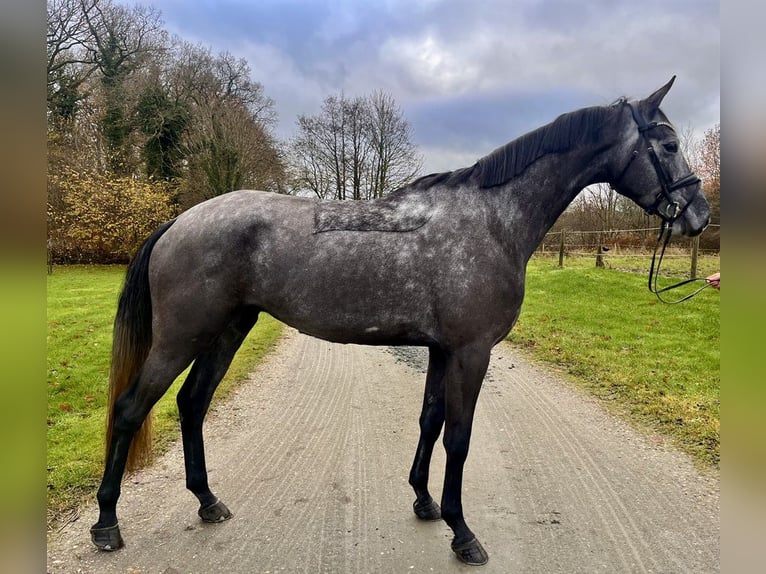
(81, 306)
(659, 364)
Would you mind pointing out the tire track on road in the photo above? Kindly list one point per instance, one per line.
(312, 456)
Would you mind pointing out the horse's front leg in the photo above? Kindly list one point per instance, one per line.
(466, 368)
(431, 421)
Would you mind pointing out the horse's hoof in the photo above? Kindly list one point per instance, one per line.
(216, 512)
(471, 552)
(428, 511)
(107, 538)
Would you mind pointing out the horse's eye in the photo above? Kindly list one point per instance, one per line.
(671, 147)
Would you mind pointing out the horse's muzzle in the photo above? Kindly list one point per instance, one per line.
(694, 219)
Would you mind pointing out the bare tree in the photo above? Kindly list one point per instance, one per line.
(598, 204)
(67, 35)
(710, 169)
(334, 137)
(123, 38)
(362, 145)
(228, 143)
(395, 159)
(69, 61)
(237, 152)
(319, 150)
(358, 117)
(310, 160)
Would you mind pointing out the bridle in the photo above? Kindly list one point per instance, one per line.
(664, 205)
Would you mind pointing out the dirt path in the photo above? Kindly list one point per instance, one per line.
(312, 456)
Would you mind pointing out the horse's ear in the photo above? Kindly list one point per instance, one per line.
(653, 102)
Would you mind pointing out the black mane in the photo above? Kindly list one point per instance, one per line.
(568, 130)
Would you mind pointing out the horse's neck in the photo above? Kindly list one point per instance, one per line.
(535, 199)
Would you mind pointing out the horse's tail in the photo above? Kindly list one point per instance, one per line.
(130, 345)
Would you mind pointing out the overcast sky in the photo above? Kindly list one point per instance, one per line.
(470, 75)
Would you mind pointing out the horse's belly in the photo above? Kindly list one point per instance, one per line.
(345, 316)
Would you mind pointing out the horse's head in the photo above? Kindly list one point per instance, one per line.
(651, 169)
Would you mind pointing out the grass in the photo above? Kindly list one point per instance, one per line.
(658, 364)
(81, 305)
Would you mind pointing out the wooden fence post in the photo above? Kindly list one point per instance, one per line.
(49, 256)
(695, 251)
(600, 251)
(561, 249)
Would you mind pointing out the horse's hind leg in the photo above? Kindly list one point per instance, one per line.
(431, 421)
(193, 402)
(130, 410)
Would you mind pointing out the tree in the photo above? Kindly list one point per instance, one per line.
(710, 170)
(146, 113)
(236, 151)
(395, 160)
(309, 161)
(601, 200)
(228, 142)
(69, 60)
(163, 122)
(122, 39)
(94, 49)
(358, 125)
(354, 149)
(319, 150)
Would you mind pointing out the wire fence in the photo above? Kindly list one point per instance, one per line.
(632, 249)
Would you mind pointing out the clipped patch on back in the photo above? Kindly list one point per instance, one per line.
(395, 213)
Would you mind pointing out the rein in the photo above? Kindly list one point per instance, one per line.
(665, 206)
(655, 271)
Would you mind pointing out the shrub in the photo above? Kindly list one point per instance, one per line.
(95, 218)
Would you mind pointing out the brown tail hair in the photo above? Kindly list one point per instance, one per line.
(130, 346)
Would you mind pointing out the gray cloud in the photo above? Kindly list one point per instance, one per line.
(470, 75)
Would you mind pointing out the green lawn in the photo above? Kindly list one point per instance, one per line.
(657, 363)
(81, 305)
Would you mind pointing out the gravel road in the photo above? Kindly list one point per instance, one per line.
(312, 456)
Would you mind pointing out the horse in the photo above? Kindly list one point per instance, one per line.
(439, 263)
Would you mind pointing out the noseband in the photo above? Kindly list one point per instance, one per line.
(664, 205)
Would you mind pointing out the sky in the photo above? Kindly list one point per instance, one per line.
(469, 75)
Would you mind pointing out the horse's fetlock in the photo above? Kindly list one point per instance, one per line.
(106, 496)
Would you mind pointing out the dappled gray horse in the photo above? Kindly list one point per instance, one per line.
(439, 263)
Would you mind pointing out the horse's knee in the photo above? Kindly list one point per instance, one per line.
(456, 446)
